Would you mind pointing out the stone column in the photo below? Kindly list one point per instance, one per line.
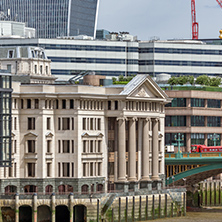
(140, 144)
(145, 153)
(34, 211)
(132, 149)
(122, 150)
(155, 149)
(71, 206)
(205, 139)
(53, 208)
(16, 207)
(188, 142)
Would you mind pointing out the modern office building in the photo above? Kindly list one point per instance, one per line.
(196, 115)
(127, 57)
(53, 18)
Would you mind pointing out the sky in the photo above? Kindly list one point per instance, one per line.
(165, 19)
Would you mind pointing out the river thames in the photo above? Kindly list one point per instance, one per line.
(204, 215)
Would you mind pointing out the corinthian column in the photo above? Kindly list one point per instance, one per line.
(155, 153)
(132, 149)
(122, 150)
(145, 153)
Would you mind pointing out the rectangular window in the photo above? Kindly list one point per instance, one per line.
(73, 146)
(197, 102)
(15, 103)
(91, 146)
(64, 104)
(109, 105)
(59, 123)
(65, 123)
(197, 138)
(91, 123)
(84, 123)
(41, 69)
(197, 121)
(72, 123)
(56, 104)
(84, 146)
(10, 169)
(99, 146)
(59, 146)
(91, 169)
(65, 169)
(46, 70)
(48, 125)
(15, 123)
(48, 169)
(84, 169)
(72, 169)
(99, 124)
(31, 146)
(71, 103)
(116, 105)
(14, 169)
(31, 123)
(213, 103)
(175, 121)
(59, 170)
(66, 146)
(177, 102)
(36, 103)
(213, 139)
(31, 169)
(213, 121)
(29, 104)
(22, 104)
(99, 169)
(35, 69)
(49, 146)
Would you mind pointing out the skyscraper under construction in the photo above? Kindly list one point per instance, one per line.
(53, 18)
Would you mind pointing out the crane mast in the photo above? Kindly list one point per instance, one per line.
(219, 2)
(195, 25)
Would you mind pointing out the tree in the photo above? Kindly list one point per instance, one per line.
(173, 81)
(215, 81)
(203, 80)
(191, 80)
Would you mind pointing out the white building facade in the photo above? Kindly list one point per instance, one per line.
(77, 138)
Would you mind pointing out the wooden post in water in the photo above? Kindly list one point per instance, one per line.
(34, 208)
(126, 216)
(171, 209)
(159, 210)
(16, 207)
(119, 209)
(97, 210)
(133, 210)
(140, 208)
(153, 207)
(146, 208)
(184, 204)
(165, 205)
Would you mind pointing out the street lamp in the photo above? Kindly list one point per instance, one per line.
(178, 139)
(214, 138)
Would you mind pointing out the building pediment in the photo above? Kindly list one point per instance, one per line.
(143, 86)
(87, 135)
(31, 134)
(49, 135)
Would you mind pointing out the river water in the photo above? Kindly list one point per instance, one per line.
(198, 215)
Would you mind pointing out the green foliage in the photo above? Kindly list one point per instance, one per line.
(182, 80)
(173, 81)
(109, 214)
(121, 78)
(216, 81)
(203, 80)
(114, 79)
(191, 80)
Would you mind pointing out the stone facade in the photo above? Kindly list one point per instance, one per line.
(77, 138)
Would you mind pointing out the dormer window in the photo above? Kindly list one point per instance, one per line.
(10, 54)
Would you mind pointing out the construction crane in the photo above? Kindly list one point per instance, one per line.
(220, 4)
(195, 25)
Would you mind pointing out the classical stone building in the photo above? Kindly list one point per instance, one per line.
(81, 138)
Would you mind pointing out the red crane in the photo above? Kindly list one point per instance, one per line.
(219, 2)
(195, 25)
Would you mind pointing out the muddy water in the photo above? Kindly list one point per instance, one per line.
(203, 215)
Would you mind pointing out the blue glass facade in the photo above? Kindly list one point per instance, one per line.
(53, 18)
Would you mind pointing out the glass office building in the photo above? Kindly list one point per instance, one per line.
(53, 18)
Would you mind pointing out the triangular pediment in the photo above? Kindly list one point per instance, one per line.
(49, 134)
(31, 134)
(143, 86)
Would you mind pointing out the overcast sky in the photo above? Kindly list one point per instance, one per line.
(166, 19)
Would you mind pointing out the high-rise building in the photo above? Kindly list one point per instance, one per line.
(53, 18)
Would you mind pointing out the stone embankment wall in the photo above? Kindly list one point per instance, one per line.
(105, 207)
